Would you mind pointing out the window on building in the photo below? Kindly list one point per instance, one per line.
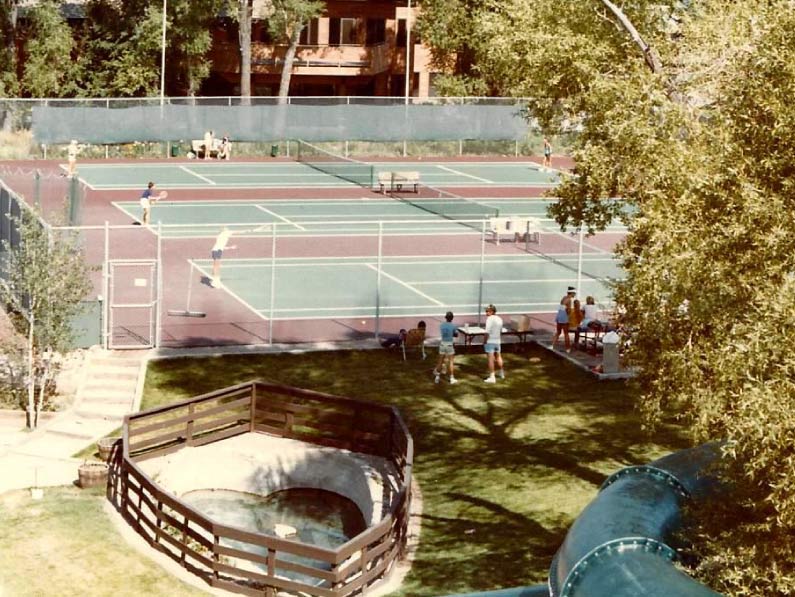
(342, 32)
(309, 34)
(400, 38)
(376, 31)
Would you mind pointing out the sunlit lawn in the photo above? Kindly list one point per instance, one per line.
(503, 469)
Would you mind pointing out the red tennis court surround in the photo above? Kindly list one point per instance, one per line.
(290, 281)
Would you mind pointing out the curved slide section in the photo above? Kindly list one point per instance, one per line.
(619, 545)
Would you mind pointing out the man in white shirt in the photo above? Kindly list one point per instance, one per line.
(217, 252)
(492, 342)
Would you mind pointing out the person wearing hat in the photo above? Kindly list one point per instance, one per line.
(562, 318)
(448, 331)
(492, 343)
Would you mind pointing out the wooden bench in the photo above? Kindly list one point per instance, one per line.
(396, 180)
(197, 146)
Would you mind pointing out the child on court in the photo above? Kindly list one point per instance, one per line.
(446, 348)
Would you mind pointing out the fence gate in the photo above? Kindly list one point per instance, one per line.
(133, 308)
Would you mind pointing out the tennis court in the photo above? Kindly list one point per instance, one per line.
(201, 174)
(336, 287)
(322, 217)
(314, 257)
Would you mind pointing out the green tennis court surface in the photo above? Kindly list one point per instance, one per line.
(201, 219)
(199, 174)
(318, 288)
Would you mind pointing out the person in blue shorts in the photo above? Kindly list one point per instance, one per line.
(547, 153)
(492, 343)
(448, 332)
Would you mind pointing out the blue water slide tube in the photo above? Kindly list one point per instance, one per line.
(620, 546)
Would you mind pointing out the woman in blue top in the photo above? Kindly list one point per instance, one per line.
(562, 319)
(448, 331)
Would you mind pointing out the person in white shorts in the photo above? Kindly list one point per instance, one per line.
(448, 333)
(217, 252)
(492, 343)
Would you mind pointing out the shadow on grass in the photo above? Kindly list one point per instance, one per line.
(503, 469)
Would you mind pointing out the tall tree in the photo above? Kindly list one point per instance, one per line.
(45, 278)
(49, 69)
(121, 51)
(188, 42)
(245, 10)
(8, 51)
(701, 147)
(450, 29)
(286, 22)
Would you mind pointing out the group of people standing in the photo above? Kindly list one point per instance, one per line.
(492, 346)
(572, 318)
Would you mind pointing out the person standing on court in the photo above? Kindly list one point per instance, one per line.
(448, 332)
(562, 318)
(217, 252)
(147, 199)
(71, 154)
(209, 140)
(492, 343)
(547, 153)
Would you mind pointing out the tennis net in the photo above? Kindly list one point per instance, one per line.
(447, 205)
(348, 169)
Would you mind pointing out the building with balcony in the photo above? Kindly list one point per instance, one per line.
(357, 48)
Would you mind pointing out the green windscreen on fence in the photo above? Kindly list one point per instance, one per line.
(121, 122)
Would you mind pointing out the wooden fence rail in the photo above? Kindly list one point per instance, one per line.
(247, 562)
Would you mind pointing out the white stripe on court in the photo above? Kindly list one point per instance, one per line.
(402, 283)
(197, 175)
(226, 289)
(459, 173)
(283, 219)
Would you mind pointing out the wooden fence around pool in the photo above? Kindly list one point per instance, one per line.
(203, 546)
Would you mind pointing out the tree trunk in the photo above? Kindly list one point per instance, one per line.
(245, 51)
(9, 28)
(31, 377)
(287, 67)
(649, 55)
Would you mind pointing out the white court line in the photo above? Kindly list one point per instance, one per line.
(283, 219)
(197, 175)
(412, 260)
(225, 288)
(525, 281)
(458, 172)
(402, 283)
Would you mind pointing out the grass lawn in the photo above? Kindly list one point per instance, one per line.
(503, 469)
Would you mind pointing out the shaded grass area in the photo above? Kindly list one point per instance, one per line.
(503, 469)
(65, 545)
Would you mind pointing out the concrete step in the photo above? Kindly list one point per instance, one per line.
(108, 412)
(99, 393)
(110, 382)
(109, 400)
(112, 371)
(72, 428)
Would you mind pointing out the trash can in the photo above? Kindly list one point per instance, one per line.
(274, 151)
(175, 149)
(610, 353)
